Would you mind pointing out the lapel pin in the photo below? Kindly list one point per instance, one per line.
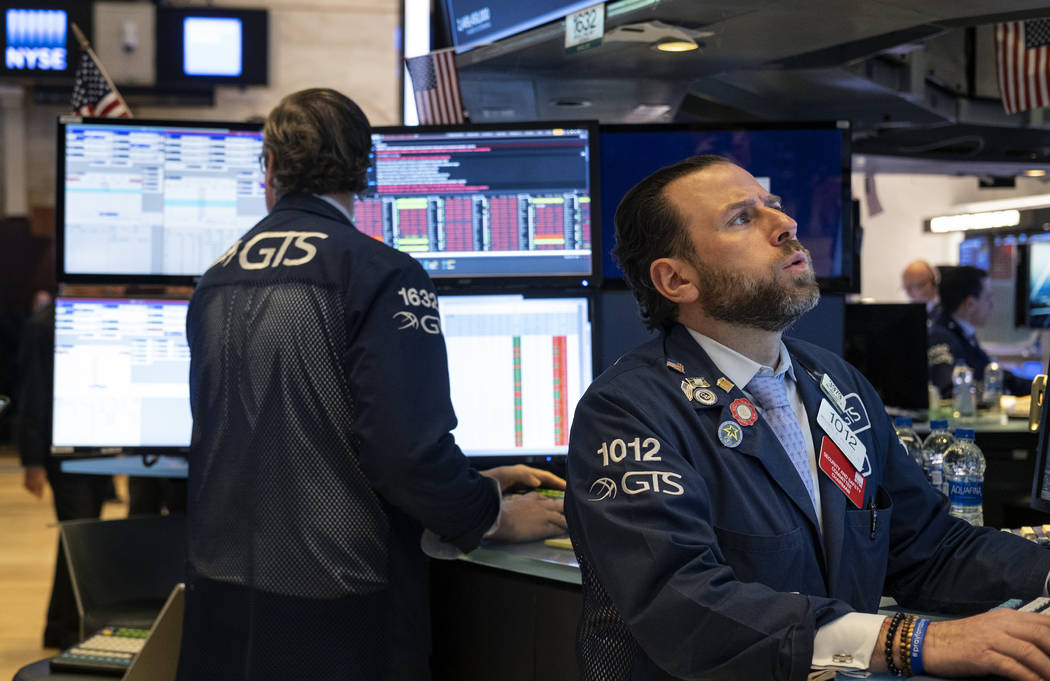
(724, 383)
(743, 411)
(677, 366)
(729, 434)
(705, 396)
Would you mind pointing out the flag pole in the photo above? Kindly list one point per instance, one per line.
(86, 46)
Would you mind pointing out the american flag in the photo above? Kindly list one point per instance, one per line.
(1022, 52)
(92, 94)
(436, 87)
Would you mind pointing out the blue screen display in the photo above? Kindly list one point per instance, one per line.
(35, 40)
(807, 167)
(474, 21)
(212, 46)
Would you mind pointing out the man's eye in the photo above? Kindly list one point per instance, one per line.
(741, 219)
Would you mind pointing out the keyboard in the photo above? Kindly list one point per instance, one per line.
(1039, 605)
(109, 651)
(1040, 534)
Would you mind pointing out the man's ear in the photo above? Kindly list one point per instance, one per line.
(674, 279)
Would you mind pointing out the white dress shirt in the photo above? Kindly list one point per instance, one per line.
(852, 636)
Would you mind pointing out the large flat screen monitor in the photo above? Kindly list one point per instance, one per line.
(121, 376)
(807, 165)
(486, 201)
(517, 367)
(887, 343)
(142, 201)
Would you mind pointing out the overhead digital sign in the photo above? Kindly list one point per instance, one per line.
(38, 40)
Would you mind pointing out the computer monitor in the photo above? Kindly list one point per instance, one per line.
(807, 164)
(149, 201)
(887, 343)
(121, 376)
(1037, 284)
(517, 367)
(975, 252)
(486, 201)
(207, 46)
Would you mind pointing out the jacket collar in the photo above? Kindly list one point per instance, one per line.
(310, 204)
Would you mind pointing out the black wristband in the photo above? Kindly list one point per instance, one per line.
(890, 639)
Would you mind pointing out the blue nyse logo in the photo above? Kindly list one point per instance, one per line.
(36, 40)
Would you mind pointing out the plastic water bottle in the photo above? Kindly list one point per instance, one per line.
(964, 392)
(964, 473)
(936, 444)
(993, 386)
(909, 438)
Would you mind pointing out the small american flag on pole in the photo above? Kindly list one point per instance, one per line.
(93, 95)
(435, 84)
(1022, 53)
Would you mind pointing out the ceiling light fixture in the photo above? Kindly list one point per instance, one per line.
(1035, 172)
(676, 45)
(967, 221)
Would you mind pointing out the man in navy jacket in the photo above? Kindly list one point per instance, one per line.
(729, 530)
(321, 441)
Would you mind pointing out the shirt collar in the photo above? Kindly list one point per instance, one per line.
(967, 327)
(738, 368)
(338, 206)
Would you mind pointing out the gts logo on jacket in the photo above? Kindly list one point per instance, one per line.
(271, 249)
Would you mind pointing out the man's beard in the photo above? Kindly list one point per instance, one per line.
(760, 302)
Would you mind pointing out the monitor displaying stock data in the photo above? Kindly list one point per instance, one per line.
(517, 367)
(121, 376)
(153, 201)
(486, 201)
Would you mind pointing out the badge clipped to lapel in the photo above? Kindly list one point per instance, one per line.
(848, 479)
(828, 387)
(844, 438)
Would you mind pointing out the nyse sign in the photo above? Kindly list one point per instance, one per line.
(35, 40)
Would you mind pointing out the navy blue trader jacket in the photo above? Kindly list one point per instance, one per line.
(320, 397)
(947, 343)
(702, 560)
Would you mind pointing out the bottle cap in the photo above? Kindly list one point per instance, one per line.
(939, 424)
(904, 421)
(964, 433)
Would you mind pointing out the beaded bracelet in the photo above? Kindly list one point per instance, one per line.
(904, 643)
(917, 639)
(890, 634)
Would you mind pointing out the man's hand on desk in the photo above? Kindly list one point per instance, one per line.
(523, 475)
(529, 517)
(1004, 642)
(34, 479)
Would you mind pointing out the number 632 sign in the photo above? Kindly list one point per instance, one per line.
(584, 29)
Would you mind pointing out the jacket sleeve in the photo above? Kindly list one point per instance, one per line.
(1016, 385)
(398, 370)
(658, 558)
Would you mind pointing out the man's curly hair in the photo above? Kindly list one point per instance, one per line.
(320, 141)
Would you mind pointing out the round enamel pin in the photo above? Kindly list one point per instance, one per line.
(705, 397)
(729, 434)
(743, 411)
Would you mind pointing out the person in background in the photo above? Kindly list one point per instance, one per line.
(966, 303)
(739, 501)
(74, 496)
(321, 441)
(919, 281)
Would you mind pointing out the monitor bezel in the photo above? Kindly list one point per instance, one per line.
(66, 451)
(850, 246)
(255, 44)
(61, 274)
(521, 283)
(553, 462)
(1041, 456)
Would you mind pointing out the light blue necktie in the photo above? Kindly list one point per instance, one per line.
(770, 394)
